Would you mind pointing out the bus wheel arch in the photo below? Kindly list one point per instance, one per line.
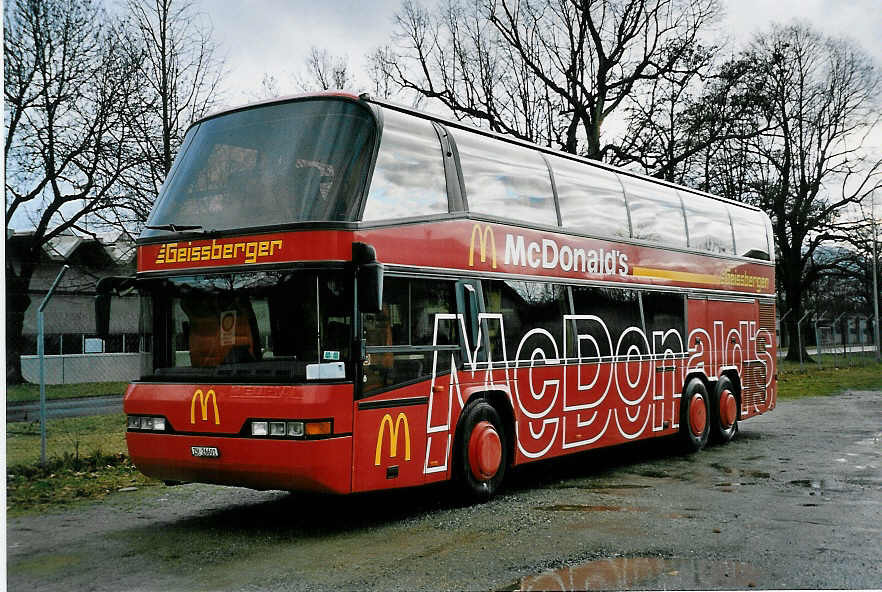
(483, 445)
(695, 416)
(725, 407)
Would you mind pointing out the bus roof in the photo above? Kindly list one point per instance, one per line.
(367, 98)
(512, 140)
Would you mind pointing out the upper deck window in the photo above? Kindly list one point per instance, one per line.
(268, 165)
(708, 222)
(591, 198)
(408, 177)
(750, 233)
(505, 180)
(656, 212)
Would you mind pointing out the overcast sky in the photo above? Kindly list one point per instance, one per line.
(274, 36)
(259, 37)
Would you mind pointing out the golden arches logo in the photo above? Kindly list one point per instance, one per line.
(393, 437)
(484, 234)
(203, 403)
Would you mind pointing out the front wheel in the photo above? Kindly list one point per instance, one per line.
(481, 451)
(694, 416)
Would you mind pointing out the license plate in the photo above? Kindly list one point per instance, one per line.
(208, 451)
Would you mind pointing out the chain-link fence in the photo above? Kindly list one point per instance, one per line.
(846, 340)
(73, 354)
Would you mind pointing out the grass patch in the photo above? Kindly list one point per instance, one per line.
(75, 436)
(65, 480)
(31, 392)
(811, 380)
(86, 459)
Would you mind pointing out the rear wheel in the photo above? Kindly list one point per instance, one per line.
(481, 451)
(724, 411)
(694, 416)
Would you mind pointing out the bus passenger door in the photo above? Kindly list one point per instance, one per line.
(469, 304)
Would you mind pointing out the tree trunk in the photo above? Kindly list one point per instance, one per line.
(17, 302)
(793, 295)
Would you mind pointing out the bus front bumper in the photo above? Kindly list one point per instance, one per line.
(293, 465)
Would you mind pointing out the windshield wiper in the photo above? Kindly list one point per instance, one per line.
(176, 227)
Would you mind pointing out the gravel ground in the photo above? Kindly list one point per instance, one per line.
(795, 501)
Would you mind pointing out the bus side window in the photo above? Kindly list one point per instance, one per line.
(591, 198)
(618, 309)
(408, 322)
(664, 311)
(656, 212)
(505, 180)
(750, 237)
(408, 177)
(526, 306)
(391, 325)
(709, 226)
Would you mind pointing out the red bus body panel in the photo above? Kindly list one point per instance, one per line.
(244, 460)
(455, 244)
(405, 436)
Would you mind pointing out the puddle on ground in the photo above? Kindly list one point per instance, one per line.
(602, 488)
(829, 483)
(595, 508)
(587, 508)
(627, 573)
(618, 486)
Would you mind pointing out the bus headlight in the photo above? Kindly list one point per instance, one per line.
(290, 429)
(145, 423)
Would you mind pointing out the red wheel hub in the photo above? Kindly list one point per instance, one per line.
(485, 451)
(697, 415)
(728, 409)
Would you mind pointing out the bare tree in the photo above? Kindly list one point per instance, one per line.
(68, 143)
(180, 73)
(324, 71)
(549, 71)
(456, 56)
(810, 167)
(686, 117)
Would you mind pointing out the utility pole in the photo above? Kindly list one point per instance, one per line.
(40, 352)
(875, 278)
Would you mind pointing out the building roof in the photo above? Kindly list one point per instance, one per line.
(117, 246)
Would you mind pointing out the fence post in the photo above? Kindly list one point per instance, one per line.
(799, 336)
(781, 333)
(837, 325)
(40, 351)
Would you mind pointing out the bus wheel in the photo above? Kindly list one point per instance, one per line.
(694, 416)
(724, 411)
(481, 452)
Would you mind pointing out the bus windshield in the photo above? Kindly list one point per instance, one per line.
(268, 165)
(251, 326)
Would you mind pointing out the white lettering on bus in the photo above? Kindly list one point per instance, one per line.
(548, 254)
(645, 373)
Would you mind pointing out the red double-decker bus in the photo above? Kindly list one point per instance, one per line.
(341, 294)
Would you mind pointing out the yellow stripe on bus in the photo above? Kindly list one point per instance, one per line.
(679, 276)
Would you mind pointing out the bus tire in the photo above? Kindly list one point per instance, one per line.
(481, 451)
(694, 416)
(724, 411)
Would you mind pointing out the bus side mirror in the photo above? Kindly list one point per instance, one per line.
(102, 315)
(104, 290)
(370, 277)
(370, 287)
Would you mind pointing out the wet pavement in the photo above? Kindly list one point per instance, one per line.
(795, 501)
